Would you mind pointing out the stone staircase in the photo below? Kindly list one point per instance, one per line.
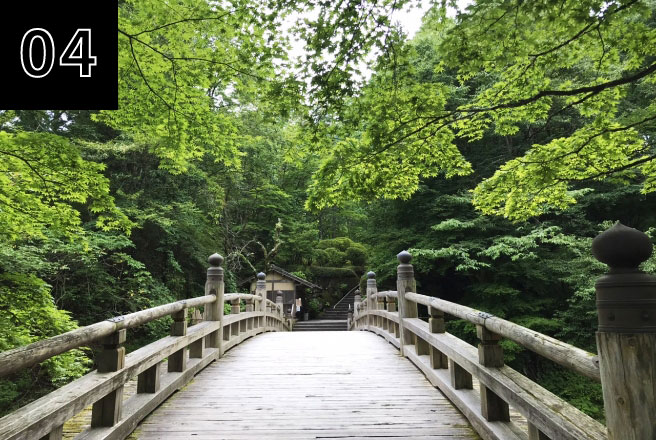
(332, 319)
(320, 325)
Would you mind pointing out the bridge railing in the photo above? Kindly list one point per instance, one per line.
(626, 340)
(188, 350)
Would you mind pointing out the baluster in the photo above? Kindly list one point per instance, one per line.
(490, 354)
(148, 381)
(391, 307)
(279, 310)
(535, 434)
(405, 282)
(357, 301)
(107, 411)
(215, 286)
(196, 348)
(269, 310)
(626, 336)
(380, 321)
(436, 325)
(196, 318)
(460, 378)
(250, 307)
(178, 360)
(260, 290)
(235, 310)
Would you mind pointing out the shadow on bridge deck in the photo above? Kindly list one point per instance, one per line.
(308, 385)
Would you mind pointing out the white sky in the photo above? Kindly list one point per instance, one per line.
(409, 18)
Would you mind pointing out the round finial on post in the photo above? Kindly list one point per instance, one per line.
(621, 247)
(404, 257)
(215, 260)
(261, 276)
(371, 275)
(626, 336)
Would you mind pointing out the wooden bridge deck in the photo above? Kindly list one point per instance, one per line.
(308, 385)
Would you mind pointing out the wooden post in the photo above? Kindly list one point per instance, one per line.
(279, 310)
(436, 325)
(107, 411)
(260, 290)
(250, 307)
(214, 286)
(490, 354)
(357, 301)
(196, 348)
(535, 434)
(235, 309)
(626, 336)
(393, 326)
(405, 282)
(460, 378)
(196, 318)
(269, 310)
(379, 321)
(349, 317)
(372, 289)
(148, 381)
(178, 360)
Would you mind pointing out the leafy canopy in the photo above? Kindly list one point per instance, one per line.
(516, 64)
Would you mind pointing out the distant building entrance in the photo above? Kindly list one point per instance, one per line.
(292, 287)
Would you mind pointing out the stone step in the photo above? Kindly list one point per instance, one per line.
(321, 325)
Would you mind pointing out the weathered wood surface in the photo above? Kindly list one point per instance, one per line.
(308, 385)
(567, 355)
(629, 377)
(23, 357)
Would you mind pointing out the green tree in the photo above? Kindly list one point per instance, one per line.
(516, 64)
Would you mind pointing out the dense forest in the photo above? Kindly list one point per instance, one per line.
(494, 145)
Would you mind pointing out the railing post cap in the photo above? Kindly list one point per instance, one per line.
(215, 260)
(371, 275)
(622, 247)
(404, 257)
(261, 276)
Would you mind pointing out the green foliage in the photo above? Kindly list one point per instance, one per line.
(500, 68)
(180, 77)
(29, 314)
(526, 108)
(42, 175)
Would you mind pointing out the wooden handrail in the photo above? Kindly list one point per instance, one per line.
(242, 296)
(188, 351)
(432, 350)
(353, 289)
(26, 356)
(385, 294)
(564, 354)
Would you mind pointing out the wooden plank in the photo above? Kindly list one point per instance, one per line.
(308, 385)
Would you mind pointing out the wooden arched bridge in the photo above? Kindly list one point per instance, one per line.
(244, 375)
